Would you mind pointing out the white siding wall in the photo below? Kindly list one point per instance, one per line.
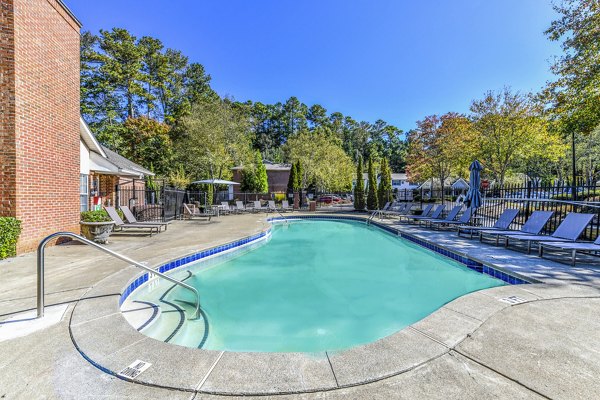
(84, 156)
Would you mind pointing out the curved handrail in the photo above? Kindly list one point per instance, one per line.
(40, 269)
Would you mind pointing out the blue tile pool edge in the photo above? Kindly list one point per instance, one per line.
(469, 262)
(177, 263)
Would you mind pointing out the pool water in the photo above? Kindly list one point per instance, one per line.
(315, 286)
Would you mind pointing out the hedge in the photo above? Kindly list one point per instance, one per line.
(10, 229)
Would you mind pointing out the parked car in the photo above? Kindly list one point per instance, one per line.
(329, 199)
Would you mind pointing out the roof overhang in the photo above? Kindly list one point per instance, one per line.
(101, 165)
(89, 139)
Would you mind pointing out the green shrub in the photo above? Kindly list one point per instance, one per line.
(10, 229)
(95, 216)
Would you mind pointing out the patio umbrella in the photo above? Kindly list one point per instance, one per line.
(216, 182)
(473, 197)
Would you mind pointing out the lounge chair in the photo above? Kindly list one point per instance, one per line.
(112, 213)
(224, 208)
(285, 206)
(428, 212)
(257, 207)
(190, 211)
(533, 226)
(399, 211)
(381, 211)
(568, 231)
(451, 220)
(271, 207)
(131, 219)
(586, 247)
(502, 223)
(239, 207)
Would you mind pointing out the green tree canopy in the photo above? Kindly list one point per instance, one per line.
(216, 138)
(324, 164)
(254, 176)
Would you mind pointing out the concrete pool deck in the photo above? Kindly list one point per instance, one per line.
(474, 347)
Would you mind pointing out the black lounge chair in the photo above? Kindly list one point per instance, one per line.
(406, 212)
(451, 220)
(450, 217)
(502, 223)
(434, 215)
(568, 231)
(533, 226)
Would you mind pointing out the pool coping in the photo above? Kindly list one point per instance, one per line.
(103, 336)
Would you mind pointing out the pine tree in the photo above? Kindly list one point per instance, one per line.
(359, 189)
(372, 195)
(262, 182)
(299, 177)
(384, 192)
(291, 186)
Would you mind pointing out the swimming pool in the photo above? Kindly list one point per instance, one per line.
(313, 286)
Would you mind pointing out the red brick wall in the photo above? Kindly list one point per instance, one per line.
(7, 111)
(46, 119)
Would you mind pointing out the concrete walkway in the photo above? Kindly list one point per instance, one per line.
(546, 347)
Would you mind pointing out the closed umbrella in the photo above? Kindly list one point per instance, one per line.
(473, 198)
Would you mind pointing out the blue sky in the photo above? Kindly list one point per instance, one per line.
(389, 59)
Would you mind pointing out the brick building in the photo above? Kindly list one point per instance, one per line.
(277, 175)
(39, 117)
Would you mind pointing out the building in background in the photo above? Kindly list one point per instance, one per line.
(102, 170)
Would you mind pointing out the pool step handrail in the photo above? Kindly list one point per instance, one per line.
(40, 269)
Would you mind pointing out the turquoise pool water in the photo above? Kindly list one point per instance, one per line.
(316, 285)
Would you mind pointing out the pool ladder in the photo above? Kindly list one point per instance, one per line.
(40, 269)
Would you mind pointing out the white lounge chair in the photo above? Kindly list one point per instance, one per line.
(285, 206)
(190, 211)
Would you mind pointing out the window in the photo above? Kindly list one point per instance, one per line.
(397, 182)
(83, 192)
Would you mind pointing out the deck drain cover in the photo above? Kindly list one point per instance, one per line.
(513, 300)
(134, 369)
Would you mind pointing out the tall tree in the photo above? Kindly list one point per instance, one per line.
(300, 182)
(372, 202)
(509, 129)
(359, 187)
(323, 163)
(121, 64)
(146, 141)
(575, 94)
(254, 176)
(384, 191)
(216, 138)
(317, 116)
(292, 180)
(294, 116)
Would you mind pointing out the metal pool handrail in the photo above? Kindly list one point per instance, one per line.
(40, 269)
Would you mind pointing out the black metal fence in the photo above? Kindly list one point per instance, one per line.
(526, 198)
(162, 204)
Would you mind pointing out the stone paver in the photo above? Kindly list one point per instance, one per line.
(552, 346)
